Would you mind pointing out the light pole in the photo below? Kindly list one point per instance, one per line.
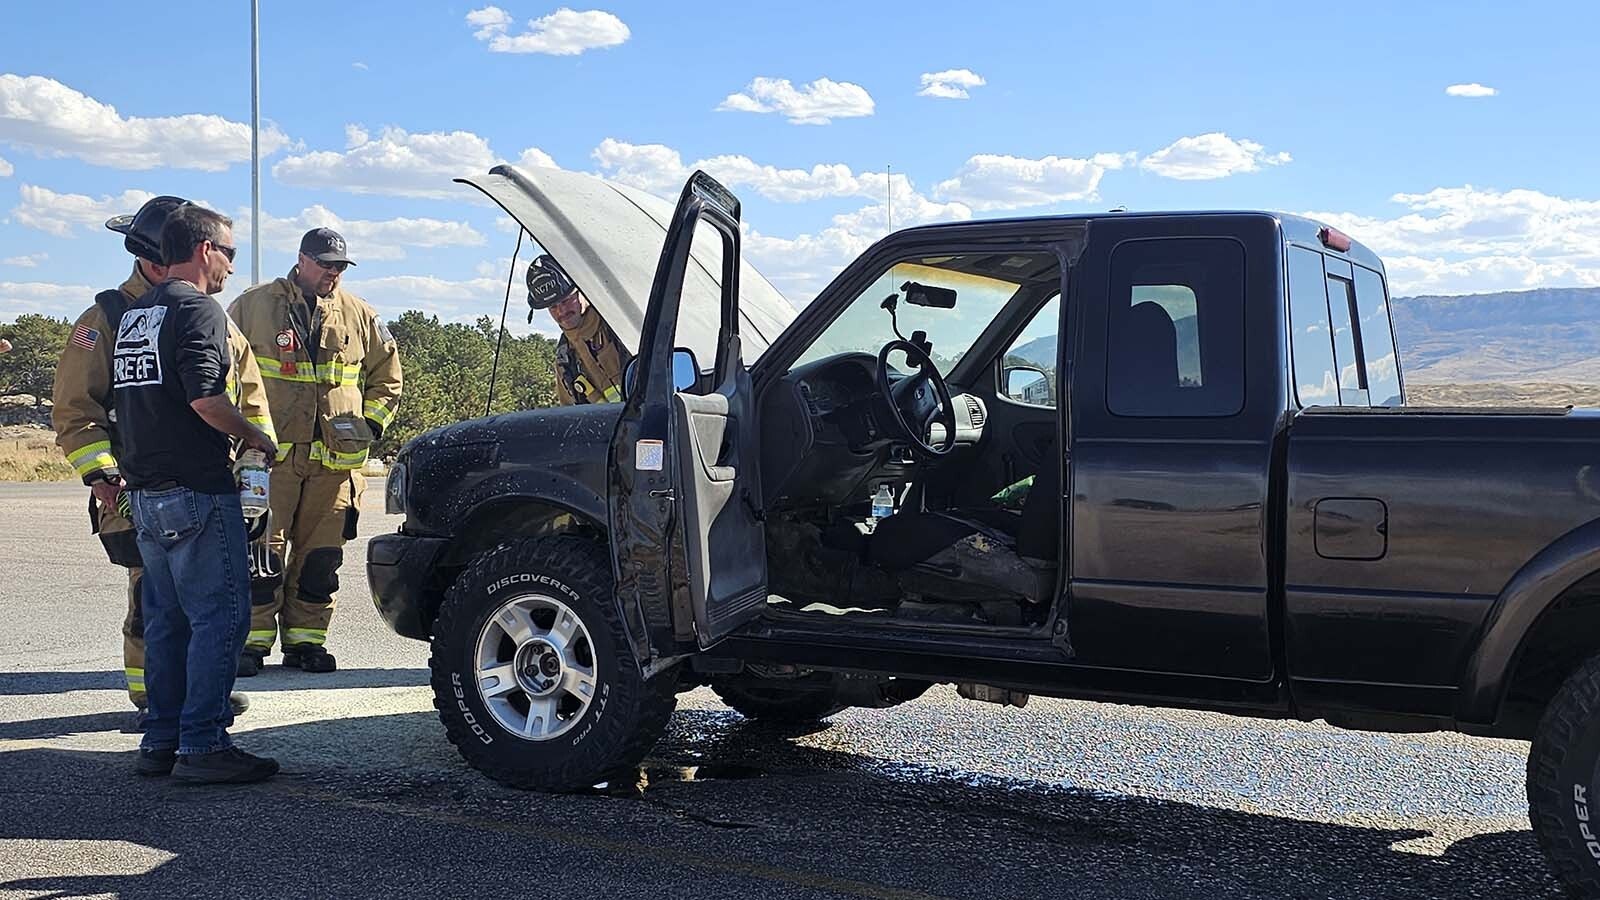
(255, 141)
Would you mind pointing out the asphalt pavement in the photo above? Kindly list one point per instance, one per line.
(937, 798)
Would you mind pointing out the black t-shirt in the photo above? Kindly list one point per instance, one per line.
(171, 348)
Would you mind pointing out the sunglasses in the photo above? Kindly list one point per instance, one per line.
(224, 249)
(332, 266)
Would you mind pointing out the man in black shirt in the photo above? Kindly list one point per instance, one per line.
(169, 372)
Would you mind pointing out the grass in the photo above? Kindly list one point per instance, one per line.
(25, 460)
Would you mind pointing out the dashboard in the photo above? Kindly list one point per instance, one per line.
(825, 438)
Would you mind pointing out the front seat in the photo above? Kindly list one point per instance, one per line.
(954, 557)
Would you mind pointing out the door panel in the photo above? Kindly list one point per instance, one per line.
(725, 544)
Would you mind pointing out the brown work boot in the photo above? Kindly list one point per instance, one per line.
(309, 658)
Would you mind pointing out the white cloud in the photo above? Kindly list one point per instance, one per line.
(369, 240)
(29, 261)
(359, 65)
(396, 162)
(1213, 155)
(817, 103)
(951, 84)
(490, 21)
(1473, 89)
(6, 169)
(565, 32)
(534, 158)
(44, 298)
(991, 182)
(48, 118)
(661, 170)
(63, 215)
(1467, 240)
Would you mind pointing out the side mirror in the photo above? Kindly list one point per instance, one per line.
(685, 371)
(1026, 384)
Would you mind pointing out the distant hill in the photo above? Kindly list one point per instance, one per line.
(1549, 335)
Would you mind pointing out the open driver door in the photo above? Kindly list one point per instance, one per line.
(685, 487)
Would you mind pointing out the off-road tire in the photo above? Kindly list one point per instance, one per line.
(798, 701)
(1564, 782)
(621, 724)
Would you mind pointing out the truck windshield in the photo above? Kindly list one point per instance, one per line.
(864, 326)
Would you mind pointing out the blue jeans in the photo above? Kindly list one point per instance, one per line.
(196, 601)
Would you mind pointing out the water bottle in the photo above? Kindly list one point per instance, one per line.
(882, 503)
(253, 483)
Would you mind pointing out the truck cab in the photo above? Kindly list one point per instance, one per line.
(1161, 458)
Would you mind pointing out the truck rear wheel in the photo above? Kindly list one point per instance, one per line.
(1564, 781)
(532, 674)
(784, 701)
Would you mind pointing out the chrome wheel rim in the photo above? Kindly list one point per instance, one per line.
(534, 667)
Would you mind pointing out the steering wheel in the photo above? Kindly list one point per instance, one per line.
(918, 400)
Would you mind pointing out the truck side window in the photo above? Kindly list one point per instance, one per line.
(1035, 347)
(1377, 339)
(1312, 336)
(1346, 342)
(1175, 345)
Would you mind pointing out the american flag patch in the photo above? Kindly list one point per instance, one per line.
(84, 336)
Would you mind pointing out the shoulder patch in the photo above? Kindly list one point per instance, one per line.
(84, 336)
(381, 329)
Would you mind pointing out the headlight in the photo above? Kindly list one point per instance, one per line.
(394, 490)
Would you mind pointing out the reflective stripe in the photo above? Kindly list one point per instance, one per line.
(378, 412)
(284, 450)
(260, 640)
(273, 368)
(337, 373)
(90, 457)
(305, 636)
(265, 424)
(333, 459)
(612, 394)
(135, 679)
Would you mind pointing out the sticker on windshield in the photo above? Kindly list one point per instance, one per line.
(648, 456)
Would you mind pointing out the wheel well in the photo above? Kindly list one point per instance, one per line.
(494, 524)
(1561, 639)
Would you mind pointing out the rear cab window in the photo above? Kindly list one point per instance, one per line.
(1341, 342)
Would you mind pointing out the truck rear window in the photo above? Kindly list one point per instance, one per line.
(1175, 346)
(1341, 341)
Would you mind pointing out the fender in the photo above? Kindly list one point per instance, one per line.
(1525, 597)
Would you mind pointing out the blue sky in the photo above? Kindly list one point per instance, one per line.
(1341, 110)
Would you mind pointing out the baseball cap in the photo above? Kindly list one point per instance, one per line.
(142, 230)
(547, 283)
(324, 245)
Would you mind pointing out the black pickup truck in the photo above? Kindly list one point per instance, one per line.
(1153, 458)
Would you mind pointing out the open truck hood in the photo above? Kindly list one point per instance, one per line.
(608, 237)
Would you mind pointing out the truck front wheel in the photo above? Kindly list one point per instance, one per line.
(532, 675)
(1564, 781)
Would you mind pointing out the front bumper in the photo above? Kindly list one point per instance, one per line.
(400, 571)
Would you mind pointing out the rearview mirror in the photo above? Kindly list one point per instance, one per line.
(927, 295)
(685, 371)
(1026, 384)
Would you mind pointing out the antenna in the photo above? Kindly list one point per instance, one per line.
(888, 178)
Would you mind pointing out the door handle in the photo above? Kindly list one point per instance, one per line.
(663, 494)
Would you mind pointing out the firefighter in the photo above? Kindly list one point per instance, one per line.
(333, 378)
(86, 432)
(589, 358)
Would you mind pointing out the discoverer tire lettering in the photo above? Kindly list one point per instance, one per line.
(623, 718)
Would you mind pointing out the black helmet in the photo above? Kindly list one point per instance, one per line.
(143, 228)
(547, 284)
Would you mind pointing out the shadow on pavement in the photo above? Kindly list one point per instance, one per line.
(381, 807)
(273, 678)
(42, 729)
